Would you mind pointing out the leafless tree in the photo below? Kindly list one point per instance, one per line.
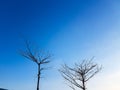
(39, 57)
(79, 74)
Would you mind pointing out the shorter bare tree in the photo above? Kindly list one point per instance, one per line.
(79, 74)
(39, 57)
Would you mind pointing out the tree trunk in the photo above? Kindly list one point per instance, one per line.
(38, 80)
(84, 86)
(83, 82)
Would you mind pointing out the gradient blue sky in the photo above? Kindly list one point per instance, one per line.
(72, 30)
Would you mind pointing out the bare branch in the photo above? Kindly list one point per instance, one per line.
(80, 74)
(38, 57)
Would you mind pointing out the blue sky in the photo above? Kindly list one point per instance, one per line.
(71, 30)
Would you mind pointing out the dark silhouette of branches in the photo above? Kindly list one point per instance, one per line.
(80, 73)
(39, 57)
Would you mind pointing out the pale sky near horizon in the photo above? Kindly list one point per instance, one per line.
(72, 30)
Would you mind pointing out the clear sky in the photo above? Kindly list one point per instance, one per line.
(72, 30)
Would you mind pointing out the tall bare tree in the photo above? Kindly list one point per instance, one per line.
(79, 74)
(39, 57)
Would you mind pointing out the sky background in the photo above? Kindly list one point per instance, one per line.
(72, 30)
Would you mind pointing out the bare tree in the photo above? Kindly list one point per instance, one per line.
(79, 74)
(39, 57)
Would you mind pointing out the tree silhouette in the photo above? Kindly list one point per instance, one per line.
(37, 56)
(79, 74)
